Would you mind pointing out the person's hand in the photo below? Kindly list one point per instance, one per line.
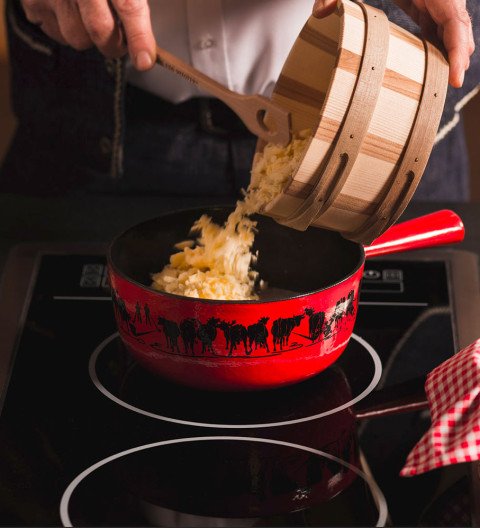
(106, 24)
(448, 18)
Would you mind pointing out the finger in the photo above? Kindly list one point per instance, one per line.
(471, 41)
(42, 15)
(457, 35)
(457, 44)
(49, 25)
(458, 65)
(35, 10)
(101, 26)
(135, 18)
(71, 25)
(323, 8)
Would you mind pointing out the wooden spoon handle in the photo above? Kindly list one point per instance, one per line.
(254, 110)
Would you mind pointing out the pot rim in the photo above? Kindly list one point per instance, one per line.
(115, 269)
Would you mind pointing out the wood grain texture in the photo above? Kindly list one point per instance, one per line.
(328, 184)
(407, 174)
(346, 183)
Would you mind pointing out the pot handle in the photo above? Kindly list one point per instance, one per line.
(408, 396)
(434, 229)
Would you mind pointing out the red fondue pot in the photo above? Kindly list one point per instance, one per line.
(300, 326)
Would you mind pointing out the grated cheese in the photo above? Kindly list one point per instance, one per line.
(217, 265)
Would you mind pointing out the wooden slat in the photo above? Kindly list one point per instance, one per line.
(381, 148)
(395, 30)
(373, 145)
(298, 91)
(355, 204)
(349, 61)
(399, 83)
(346, 173)
(401, 33)
(331, 180)
(317, 39)
(339, 219)
(415, 156)
(392, 80)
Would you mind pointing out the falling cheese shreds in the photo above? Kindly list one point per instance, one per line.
(218, 263)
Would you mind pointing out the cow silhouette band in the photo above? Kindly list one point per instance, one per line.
(217, 337)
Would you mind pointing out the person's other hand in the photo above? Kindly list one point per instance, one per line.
(106, 24)
(448, 18)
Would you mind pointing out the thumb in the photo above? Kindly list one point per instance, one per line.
(323, 8)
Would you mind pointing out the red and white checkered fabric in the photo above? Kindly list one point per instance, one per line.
(453, 392)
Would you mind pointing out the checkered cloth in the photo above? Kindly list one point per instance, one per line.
(453, 392)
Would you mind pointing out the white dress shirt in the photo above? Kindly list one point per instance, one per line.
(242, 44)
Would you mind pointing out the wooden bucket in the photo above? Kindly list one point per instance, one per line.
(372, 95)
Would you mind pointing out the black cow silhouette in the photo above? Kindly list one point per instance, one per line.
(282, 328)
(350, 309)
(258, 334)
(225, 328)
(172, 333)
(207, 333)
(315, 323)
(188, 331)
(235, 334)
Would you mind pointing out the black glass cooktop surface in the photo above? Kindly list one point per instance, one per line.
(88, 438)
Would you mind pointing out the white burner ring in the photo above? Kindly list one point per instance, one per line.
(373, 383)
(376, 492)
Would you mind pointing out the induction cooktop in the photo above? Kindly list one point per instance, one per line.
(88, 438)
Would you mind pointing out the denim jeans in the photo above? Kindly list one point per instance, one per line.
(81, 130)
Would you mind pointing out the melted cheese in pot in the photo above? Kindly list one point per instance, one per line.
(218, 264)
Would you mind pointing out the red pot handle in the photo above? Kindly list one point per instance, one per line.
(434, 229)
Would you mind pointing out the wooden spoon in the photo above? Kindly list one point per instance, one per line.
(254, 110)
